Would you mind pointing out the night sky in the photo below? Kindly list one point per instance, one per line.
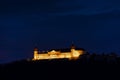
(91, 24)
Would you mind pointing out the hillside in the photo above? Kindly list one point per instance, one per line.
(86, 65)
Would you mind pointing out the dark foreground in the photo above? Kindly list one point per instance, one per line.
(86, 67)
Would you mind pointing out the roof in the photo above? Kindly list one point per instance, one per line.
(67, 49)
(35, 49)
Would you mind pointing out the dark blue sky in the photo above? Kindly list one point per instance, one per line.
(90, 24)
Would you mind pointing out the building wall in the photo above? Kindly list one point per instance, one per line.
(58, 55)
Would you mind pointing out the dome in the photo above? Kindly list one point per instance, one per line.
(72, 46)
(35, 49)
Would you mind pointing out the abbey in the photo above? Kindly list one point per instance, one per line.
(72, 53)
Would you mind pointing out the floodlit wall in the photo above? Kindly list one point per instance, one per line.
(57, 55)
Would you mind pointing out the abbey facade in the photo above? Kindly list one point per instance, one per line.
(72, 53)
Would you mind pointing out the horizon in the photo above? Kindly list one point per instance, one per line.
(31, 57)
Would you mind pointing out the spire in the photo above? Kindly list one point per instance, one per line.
(35, 49)
(72, 46)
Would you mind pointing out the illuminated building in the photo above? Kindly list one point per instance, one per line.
(72, 53)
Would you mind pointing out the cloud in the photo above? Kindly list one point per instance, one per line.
(26, 6)
(86, 7)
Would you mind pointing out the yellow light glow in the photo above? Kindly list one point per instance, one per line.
(76, 54)
(57, 55)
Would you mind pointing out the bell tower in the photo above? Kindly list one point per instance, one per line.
(72, 50)
(36, 53)
(72, 46)
(74, 53)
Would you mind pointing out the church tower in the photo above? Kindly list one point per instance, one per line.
(36, 53)
(74, 53)
(72, 49)
(72, 46)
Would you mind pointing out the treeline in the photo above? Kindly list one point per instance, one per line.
(111, 58)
